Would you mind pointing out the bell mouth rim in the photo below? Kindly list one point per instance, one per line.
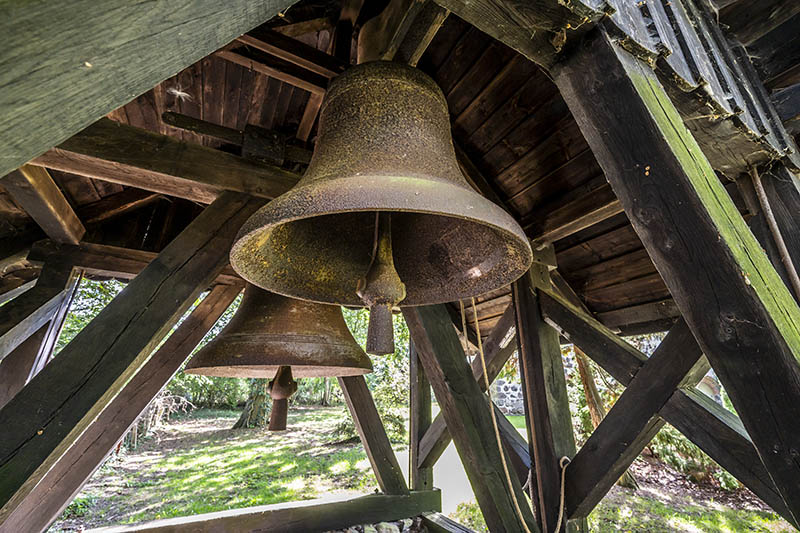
(295, 205)
(390, 193)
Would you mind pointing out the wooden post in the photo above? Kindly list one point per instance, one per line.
(52, 411)
(466, 411)
(547, 414)
(30, 356)
(437, 437)
(60, 485)
(373, 435)
(741, 313)
(420, 417)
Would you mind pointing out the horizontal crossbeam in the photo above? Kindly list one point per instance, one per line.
(298, 517)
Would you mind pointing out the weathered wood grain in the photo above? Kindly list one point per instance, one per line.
(312, 516)
(373, 435)
(420, 415)
(547, 414)
(34, 189)
(115, 205)
(53, 410)
(740, 311)
(633, 421)
(122, 154)
(66, 65)
(466, 412)
(437, 437)
(68, 475)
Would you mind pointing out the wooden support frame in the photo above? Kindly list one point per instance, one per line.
(437, 437)
(751, 309)
(312, 516)
(63, 66)
(419, 420)
(54, 409)
(37, 193)
(722, 435)
(547, 414)
(633, 421)
(34, 308)
(466, 411)
(123, 154)
(68, 475)
(373, 435)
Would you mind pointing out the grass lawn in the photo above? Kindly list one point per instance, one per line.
(197, 464)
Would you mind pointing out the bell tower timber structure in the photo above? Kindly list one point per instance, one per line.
(647, 149)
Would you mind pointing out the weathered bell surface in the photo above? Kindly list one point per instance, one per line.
(384, 146)
(270, 331)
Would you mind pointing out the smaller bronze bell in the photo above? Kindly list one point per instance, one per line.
(270, 331)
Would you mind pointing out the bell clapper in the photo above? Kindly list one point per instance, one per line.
(280, 389)
(381, 289)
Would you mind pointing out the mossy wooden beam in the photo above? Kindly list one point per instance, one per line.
(466, 410)
(51, 412)
(65, 65)
(68, 475)
(710, 426)
(738, 308)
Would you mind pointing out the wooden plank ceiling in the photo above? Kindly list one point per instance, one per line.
(507, 116)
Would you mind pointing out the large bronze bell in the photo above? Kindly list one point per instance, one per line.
(383, 216)
(270, 331)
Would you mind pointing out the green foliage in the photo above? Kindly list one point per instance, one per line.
(90, 298)
(469, 515)
(80, 506)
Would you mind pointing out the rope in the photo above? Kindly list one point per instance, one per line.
(563, 464)
(494, 417)
(786, 257)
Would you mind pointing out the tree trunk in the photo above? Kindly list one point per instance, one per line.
(256, 409)
(597, 411)
(326, 393)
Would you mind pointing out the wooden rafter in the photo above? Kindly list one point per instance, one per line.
(131, 156)
(37, 193)
(52, 411)
(68, 475)
(67, 86)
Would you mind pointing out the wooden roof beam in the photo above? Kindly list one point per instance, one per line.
(254, 59)
(54, 409)
(37, 193)
(105, 260)
(638, 138)
(62, 69)
(59, 485)
(297, 52)
(115, 205)
(130, 156)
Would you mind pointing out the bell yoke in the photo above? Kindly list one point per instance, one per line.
(383, 216)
